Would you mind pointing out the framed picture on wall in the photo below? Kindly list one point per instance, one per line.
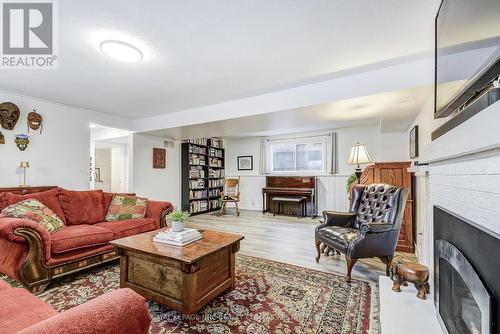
(245, 162)
(159, 158)
(414, 142)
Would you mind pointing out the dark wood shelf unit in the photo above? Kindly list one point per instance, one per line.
(186, 178)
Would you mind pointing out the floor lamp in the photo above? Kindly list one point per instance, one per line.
(359, 155)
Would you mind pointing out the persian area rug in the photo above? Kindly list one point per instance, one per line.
(270, 297)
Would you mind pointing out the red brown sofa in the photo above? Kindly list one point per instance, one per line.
(120, 311)
(32, 256)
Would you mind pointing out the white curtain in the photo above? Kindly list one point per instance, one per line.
(332, 153)
(263, 157)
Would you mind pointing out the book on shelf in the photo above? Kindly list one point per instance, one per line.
(198, 194)
(196, 172)
(215, 183)
(215, 162)
(199, 141)
(215, 203)
(216, 173)
(198, 206)
(197, 150)
(214, 152)
(197, 184)
(216, 142)
(197, 160)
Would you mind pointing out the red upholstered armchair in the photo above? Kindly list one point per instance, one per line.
(32, 256)
(120, 311)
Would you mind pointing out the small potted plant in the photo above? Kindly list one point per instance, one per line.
(178, 219)
(353, 179)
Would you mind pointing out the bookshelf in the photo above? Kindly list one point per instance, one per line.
(202, 175)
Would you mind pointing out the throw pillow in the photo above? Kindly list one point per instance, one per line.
(33, 209)
(106, 201)
(49, 198)
(82, 207)
(126, 207)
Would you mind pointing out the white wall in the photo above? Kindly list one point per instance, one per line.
(117, 170)
(463, 175)
(103, 162)
(331, 188)
(155, 184)
(58, 156)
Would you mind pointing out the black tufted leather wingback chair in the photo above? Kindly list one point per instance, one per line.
(369, 229)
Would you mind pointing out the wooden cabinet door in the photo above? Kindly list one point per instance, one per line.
(395, 173)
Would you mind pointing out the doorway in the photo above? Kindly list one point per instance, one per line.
(109, 159)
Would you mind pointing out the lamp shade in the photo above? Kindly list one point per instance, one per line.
(25, 164)
(359, 155)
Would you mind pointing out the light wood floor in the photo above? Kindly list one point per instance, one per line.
(285, 239)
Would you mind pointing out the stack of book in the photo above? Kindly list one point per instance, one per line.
(183, 238)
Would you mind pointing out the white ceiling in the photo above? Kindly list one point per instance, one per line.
(392, 111)
(204, 52)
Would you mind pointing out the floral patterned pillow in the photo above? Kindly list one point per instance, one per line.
(126, 207)
(33, 209)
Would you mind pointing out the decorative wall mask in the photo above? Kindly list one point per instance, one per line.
(9, 115)
(22, 141)
(35, 121)
(2, 138)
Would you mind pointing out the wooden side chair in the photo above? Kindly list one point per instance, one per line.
(230, 194)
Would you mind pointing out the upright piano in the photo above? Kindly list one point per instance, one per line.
(292, 186)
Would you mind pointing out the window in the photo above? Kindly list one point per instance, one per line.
(297, 156)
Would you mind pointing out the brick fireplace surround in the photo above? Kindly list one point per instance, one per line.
(463, 177)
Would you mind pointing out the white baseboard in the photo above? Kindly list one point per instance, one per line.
(251, 207)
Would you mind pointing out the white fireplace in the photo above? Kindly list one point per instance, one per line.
(462, 177)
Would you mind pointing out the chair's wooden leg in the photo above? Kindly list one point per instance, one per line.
(237, 209)
(387, 261)
(318, 250)
(350, 264)
(223, 209)
(323, 248)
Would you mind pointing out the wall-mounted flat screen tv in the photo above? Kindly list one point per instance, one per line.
(467, 51)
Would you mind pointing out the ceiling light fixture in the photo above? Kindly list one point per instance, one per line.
(121, 51)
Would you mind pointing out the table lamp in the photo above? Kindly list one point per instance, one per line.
(359, 155)
(25, 165)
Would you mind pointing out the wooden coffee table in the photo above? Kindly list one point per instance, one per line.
(182, 278)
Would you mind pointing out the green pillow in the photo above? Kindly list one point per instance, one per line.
(126, 207)
(33, 209)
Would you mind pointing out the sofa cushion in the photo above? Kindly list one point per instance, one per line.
(124, 207)
(50, 198)
(81, 236)
(34, 210)
(338, 236)
(4, 285)
(13, 306)
(126, 228)
(106, 201)
(82, 207)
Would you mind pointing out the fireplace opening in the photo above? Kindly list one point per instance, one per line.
(466, 275)
(457, 306)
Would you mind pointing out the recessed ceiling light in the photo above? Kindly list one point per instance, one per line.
(121, 51)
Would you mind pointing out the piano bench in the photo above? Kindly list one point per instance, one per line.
(281, 201)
